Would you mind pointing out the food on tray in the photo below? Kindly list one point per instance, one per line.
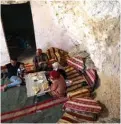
(40, 81)
(36, 89)
(45, 86)
(34, 78)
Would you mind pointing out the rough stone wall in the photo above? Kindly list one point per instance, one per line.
(95, 25)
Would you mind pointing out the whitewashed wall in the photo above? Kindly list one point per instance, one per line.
(47, 32)
(4, 56)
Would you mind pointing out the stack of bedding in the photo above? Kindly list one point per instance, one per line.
(78, 110)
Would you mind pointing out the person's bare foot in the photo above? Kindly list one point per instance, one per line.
(4, 88)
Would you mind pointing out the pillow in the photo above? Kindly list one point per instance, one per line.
(76, 62)
(57, 54)
(90, 76)
(29, 67)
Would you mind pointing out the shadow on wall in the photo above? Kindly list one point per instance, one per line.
(98, 81)
(105, 112)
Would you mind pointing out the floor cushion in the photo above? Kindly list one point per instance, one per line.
(79, 92)
(71, 117)
(29, 67)
(76, 62)
(91, 77)
(57, 54)
(84, 105)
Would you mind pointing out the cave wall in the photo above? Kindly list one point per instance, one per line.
(93, 26)
(96, 26)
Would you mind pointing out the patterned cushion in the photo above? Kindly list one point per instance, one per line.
(90, 76)
(69, 69)
(76, 86)
(82, 105)
(68, 118)
(76, 62)
(29, 67)
(74, 76)
(71, 117)
(79, 92)
(57, 54)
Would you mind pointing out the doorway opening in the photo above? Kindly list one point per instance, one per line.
(18, 28)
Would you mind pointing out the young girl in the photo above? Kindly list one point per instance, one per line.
(21, 72)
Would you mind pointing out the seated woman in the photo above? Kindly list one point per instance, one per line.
(58, 86)
(56, 66)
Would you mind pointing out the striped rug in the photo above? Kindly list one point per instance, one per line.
(31, 109)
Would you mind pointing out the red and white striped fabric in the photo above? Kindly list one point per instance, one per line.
(82, 105)
(71, 117)
(90, 76)
(12, 115)
(76, 62)
(29, 67)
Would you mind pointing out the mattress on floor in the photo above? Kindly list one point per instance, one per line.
(76, 62)
(79, 92)
(71, 117)
(82, 105)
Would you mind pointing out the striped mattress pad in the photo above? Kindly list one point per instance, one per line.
(76, 62)
(71, 117)
(80, 105)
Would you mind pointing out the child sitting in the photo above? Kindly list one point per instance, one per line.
(21, 72)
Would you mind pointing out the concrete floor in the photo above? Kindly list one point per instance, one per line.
(16, 98)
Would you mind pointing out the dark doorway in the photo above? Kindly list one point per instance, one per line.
(18, 28)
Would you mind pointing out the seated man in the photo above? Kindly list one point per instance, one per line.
(40, 61)
(12, 68)
(14, 81)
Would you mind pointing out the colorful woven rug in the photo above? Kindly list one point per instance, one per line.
(32, 109)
